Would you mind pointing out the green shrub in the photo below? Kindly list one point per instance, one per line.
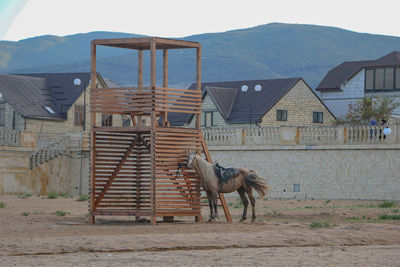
(395, 210)
(3, 205)
(326, 202)
(24, 196)
(319, 225)
(62, 213)
(386, 204)
(83, 198)
(52, 195)
(64, 195)
(389, 217)
(25, 213)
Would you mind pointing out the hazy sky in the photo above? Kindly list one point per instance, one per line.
(20, 19)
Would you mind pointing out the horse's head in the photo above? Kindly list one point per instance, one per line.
(191, 157)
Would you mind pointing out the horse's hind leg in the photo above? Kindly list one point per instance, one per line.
(210, 202)
(242, 195)
(253, 204)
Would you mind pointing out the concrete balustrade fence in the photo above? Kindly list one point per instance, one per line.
(294, 135)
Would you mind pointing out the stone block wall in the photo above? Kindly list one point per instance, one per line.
(300, 103)
(325, 172)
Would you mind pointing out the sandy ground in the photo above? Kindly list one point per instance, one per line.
(32, 233)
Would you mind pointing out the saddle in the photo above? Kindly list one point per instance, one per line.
(225, 174)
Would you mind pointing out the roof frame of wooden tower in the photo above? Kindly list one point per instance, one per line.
(155, 102)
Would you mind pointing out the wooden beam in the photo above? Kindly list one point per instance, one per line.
(93, 85)
(221, 195)
(115, 173)
(140, 79)
(164, 115)
(141, 129)
(198, 83)
(153, 127)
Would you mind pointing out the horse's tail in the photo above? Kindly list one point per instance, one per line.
(257, 183)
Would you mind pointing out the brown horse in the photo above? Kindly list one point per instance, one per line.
(243, 183)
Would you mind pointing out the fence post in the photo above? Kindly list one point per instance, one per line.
(340, 135)
(288, 134)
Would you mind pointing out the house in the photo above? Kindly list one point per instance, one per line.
(49, 102)
(351, 81)
(279, 102)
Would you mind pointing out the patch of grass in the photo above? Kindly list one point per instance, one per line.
(386, 204)
(64, 195)
(85, 197)
(354, 218)
(275, 212)
(319, 225)
(52, 195)
(328, 201)
(230, 204)
(3, 205)
(395, 210)
(24, 196)
(309, 207)
(238, 206)
(389, 217)
(204, 200)
(25, 213)
(62, 213)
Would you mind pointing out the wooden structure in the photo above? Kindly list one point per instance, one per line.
(135, 169)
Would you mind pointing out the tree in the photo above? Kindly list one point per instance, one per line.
(378, 108)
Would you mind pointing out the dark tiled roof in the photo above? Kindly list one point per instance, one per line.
(272, 91)
(110, 83)
(62, 88)
(345, 71)
(223, 98)
(28, 95)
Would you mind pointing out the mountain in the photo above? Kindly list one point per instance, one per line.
(268, 51)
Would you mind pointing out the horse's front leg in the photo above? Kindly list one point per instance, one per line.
(215, 203)
(210, 203)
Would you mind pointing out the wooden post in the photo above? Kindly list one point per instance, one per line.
(140, 79)
(153, 127)
(165, 83)
(198, 83)
(93, 85)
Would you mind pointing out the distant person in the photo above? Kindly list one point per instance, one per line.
(372, 122)
(383, 124)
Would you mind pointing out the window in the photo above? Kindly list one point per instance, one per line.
(369, 80)
(79, 113)
(296, 188)
(49, 109)
(389, 79)
(208, 119)
(126, 122)
(106, 120)
(2, 115)
(397, 79)
(318, 117)
(281, 115)
(382, 78)
(379, 81)
(13, 120)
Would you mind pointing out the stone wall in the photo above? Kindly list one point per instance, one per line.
(67, 174)
(322, 172)
(300, 103)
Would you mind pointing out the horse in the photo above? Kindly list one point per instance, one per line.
(243, 183)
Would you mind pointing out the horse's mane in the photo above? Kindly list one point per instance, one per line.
(205, 167)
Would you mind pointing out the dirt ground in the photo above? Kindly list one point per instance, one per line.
(287, 233)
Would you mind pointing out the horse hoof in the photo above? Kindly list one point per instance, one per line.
(242, 220)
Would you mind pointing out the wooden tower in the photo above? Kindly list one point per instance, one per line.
(135, 169)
